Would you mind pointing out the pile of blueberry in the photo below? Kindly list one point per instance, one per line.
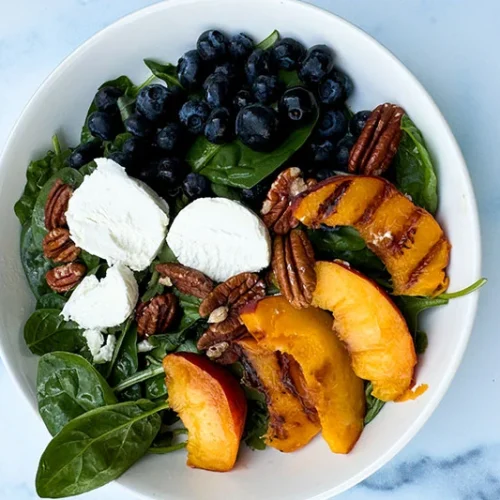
(230, 88)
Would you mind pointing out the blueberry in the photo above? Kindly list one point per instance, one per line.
(85, 153)
(135, 147)
(242, 98)
(259, 63)
(218, 128)
(229, 70)
(155, 102)
(191, 70)
(256, 195)
(333, 124)
(193, 115)
(123, 159)
(324, 173)
(266, 88)
(103, 125)
(217, 90)
(316, 65)
(343, 151)
(322, 150)
(257, 126)
(334, 89)
(106, 99)
(164, 174)
(288, 53)
(240, 47)
(139, 126)
(358, 121)
(196, 186)
(298, 105)
(212, 45)
(171, 137)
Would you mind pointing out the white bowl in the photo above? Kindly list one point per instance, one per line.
(165, 31)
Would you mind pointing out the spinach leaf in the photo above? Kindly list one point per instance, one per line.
(155, 387)
(256, 425)
(34, 263)
(38, 173)
(68, 176)
(421, 342)
(117, 144)
(166, 72)
(96, 448)
(234, 164)
(415, 173)
(146, 374)
(68, 386)
(125, 361)
(268, 42)
(373, 405)
(345, 243)
(51, 301)
(289, 78)
(91, 261)
(222, 191)
(466, 291)
(46, 331)
(411, 307)
(88, 168)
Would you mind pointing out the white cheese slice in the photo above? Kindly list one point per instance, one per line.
(100, 349)
(220, 238)
(116, 217)
(145, 346)
(96, 305)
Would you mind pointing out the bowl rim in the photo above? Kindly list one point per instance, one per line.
(439, 390)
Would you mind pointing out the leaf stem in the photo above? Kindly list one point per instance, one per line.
(56, 145)
(146, 83)
(461, 293)
(160, 450)
(141, 376)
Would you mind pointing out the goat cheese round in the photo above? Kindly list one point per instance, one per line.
(220, 238)
(116, 217)
(96, 305)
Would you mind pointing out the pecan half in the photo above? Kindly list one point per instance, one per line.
(378, 143)
(293, 265)
(57, 205)
(276, 210)
(156, 315)
(234, 293)
(186, 279)
(228, 330)
(58, 246)
(64, 278)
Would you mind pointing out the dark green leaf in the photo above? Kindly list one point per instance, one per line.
(51, 301)
(166, 72)
(88, 168)
(230, 193)
(117, 144)
(234, 164)
(411, 307)
(35, 265)
(68, 176)
(268, 42)
(146, 374)
(68, 386)
(46, 331)
(96, 448)
(166, 255)
(126, 106)
(189, 345)
(91, 261)
(132, 393)
(373, 405)
(256, 425)
(126, 362)
(182, 201)
(415, 173)
(155, 387)
(421, 342)
(289, 78)
(466, 291)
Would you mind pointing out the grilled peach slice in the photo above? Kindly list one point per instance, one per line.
(212, 406)
(306, 335)
(291, 425)
(405, 237)
(370, 325)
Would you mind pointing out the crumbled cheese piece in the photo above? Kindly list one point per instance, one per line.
(145, 346)
(101, 350)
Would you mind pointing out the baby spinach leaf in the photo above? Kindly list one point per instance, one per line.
(256, 425)
(68, 386)
(125, 361)
(68, 176)
(117, 144)
(373, 405)
(155, 387)
(234, 164)
(166, 72)
(51, 301)
(466, 291)
(46, 331)
(411, 307)
(97, 447)
(88, 168)
(289, 78)
(268, 42)
(91, 261)
(415, 173)
(37, 174)
(222, 191)
(34, 263)
(141, 376)
(421, 342)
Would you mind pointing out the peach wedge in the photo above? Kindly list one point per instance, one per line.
(405, 237)
(370, 325)
(212, 406)
(306, 335)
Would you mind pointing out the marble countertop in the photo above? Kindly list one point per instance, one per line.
(450, 45)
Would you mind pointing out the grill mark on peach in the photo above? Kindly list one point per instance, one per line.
(330, 205)
(367, 216)
(424, 262)
(406, 237)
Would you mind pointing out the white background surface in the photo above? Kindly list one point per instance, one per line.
(451, 46)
